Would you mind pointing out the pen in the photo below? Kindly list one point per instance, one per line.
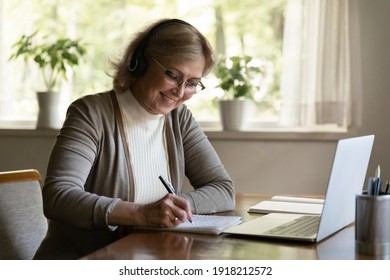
(167, 185)
(377, 181)
(370, 186)
(378, 172)
(374, 183)
(377, 186)
(169, 188)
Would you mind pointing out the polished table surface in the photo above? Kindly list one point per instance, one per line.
(149, 245)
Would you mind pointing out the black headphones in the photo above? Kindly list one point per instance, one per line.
(138, 63)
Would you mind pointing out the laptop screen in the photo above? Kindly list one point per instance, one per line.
(346, 180)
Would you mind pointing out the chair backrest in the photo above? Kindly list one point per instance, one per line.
(22, 222)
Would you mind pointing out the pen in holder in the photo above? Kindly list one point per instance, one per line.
(372, 224)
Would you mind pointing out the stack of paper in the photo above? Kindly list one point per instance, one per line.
(287, 204)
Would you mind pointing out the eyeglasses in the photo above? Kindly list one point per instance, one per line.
(176, 80)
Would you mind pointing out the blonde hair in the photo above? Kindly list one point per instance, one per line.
(174, 41)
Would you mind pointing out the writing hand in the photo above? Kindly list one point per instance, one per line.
(169, 211)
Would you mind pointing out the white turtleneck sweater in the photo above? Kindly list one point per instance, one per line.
(148, 149)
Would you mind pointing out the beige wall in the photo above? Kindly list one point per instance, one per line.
(24, 149)
(278, 166)
(284, 163)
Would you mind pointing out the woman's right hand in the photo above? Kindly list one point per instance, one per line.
(169, 211)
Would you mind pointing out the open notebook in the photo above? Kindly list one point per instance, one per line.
(204, 224)
(346, 180)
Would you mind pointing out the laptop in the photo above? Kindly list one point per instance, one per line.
(346, 179)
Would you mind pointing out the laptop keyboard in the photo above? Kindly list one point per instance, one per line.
(302, 226)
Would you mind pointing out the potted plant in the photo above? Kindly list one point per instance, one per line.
(236, 78)
(54, 60)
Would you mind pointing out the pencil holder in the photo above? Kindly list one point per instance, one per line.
(372, 224)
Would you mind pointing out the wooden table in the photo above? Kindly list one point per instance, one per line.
(150, 245)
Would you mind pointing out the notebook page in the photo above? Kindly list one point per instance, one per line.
(205, 224)
(208, 221)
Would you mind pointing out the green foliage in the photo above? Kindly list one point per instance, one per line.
(53, 59)
(236, 75)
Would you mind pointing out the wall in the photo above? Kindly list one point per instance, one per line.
(375, 45)
(278, 165)
(278, 162)
(25, 149)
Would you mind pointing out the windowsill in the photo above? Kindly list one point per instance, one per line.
(269, 131)
(27, 132)
(280, 134)
(216, 133)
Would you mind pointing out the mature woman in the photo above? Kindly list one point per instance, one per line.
(103, 172)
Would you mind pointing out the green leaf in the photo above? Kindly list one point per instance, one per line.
(54, 57)
(236, 76)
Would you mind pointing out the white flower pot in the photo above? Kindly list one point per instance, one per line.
(48, 115)
(233, 114)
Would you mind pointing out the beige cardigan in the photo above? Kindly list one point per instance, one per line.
(89, 172)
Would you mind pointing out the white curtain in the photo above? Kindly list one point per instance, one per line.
(320, 81)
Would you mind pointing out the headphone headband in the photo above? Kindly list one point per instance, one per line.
(138, 63)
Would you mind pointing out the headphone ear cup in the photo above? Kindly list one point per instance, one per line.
(138, 66)
(142, 66)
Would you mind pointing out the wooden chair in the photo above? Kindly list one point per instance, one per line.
(22, 222)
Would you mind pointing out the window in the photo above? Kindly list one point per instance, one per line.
(106, 26)
(250, 27)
